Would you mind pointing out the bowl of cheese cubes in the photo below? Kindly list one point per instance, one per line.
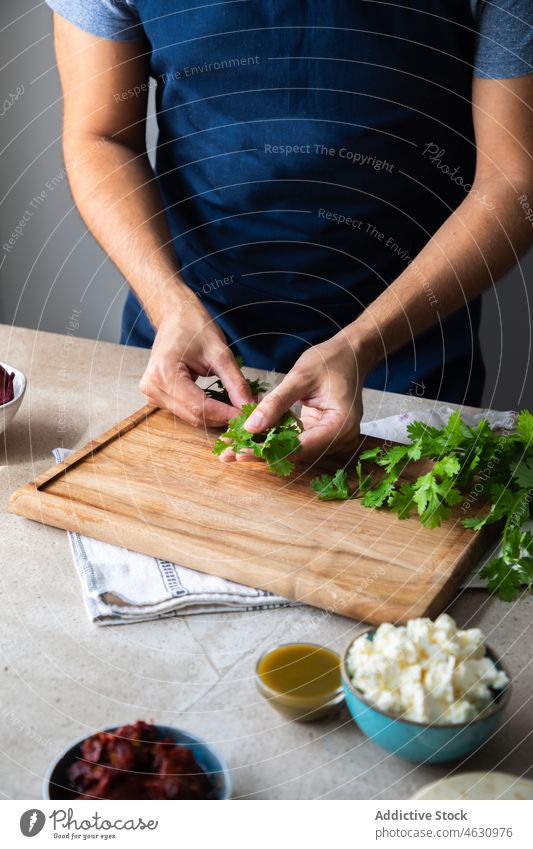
(427, 691)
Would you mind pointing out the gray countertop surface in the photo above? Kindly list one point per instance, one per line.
(62, 677)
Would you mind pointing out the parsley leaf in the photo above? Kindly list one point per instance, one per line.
(257, 386)
(506, 503)
(523, 473)
(378, 495)
(371, 454)
(506, 575)
(274, 446)
(236, 435)
(402, 501)
(524, 427)
(281, 444)
(331, 487)
(434, 493)
(502, 578)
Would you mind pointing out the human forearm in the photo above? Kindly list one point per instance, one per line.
(480, 240)
(114, 188)
(109, 172)
(473, 248)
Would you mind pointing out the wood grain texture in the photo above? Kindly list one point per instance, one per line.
(152, 484)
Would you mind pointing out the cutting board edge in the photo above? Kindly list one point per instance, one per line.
(28, 502)
(91, 447)
(464, 564)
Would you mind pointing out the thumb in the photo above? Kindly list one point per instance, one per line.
(226, 368)
(269, 411)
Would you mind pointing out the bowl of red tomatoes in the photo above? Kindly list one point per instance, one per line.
(138, 761)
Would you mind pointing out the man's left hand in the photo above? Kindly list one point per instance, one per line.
(328, 380)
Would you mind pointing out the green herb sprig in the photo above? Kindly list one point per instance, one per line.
(275, 445)
(470, 465)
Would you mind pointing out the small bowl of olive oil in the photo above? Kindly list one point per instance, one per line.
(301, 680)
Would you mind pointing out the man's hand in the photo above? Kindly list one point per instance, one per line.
(189, 343)
(328, 382)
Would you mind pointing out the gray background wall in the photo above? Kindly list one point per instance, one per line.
(55, 266)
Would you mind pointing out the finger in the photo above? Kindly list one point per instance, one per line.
(190, 404)
(226, 368)
(320, 440)
(201, 408)
(269, 411)
(248, 456)
(230, 456)
(227, 456)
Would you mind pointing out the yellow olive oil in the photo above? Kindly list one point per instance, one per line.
(301, 680)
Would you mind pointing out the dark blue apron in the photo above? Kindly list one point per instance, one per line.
(306, 154)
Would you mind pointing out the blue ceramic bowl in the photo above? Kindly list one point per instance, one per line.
(420, 742)
(56, 785)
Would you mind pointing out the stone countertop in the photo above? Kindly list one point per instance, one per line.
(62, 678)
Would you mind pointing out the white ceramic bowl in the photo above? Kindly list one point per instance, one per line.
(8, 411)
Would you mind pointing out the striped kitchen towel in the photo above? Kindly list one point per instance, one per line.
(121, 586)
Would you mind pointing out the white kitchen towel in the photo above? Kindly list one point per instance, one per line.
(395, 427)
(121, 586)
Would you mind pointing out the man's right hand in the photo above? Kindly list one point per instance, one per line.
(189, 344)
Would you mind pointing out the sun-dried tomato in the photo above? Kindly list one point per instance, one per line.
(132, 763)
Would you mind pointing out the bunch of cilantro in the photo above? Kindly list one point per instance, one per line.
(470, 465)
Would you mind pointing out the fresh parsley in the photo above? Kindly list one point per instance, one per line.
(472, 465)
(332, 487)
(274, 445)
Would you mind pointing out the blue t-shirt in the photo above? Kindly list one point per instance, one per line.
(308, 150)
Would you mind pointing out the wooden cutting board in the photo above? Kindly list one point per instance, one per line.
(152, 484)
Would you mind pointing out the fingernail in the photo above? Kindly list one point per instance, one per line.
(254, 422)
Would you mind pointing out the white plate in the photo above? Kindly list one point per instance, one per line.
(477, 785)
